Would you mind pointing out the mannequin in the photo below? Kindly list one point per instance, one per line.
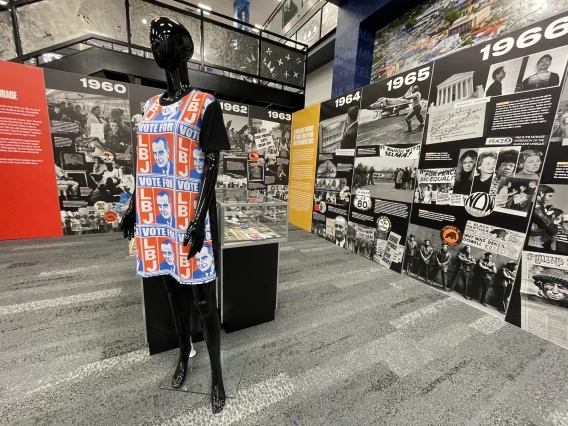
(179, 139)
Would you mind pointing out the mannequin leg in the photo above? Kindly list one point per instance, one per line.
(178, 296)
(204, 296)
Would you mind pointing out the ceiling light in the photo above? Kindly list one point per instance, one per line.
(204, 12)
(3, 2)
(204, 6)
(258, 26)
(144, 21)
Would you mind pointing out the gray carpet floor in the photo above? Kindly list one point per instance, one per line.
(352, 344)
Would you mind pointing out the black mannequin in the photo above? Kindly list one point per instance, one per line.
(172, 47)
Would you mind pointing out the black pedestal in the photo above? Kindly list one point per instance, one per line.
(248, 285)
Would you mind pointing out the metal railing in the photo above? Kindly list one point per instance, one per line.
(263, 41)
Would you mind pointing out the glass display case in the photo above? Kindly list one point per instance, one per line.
(250, 218)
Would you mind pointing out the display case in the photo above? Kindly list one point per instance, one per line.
(251, 228)
(250, 218)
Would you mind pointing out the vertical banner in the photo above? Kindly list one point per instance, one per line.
(270, 150)
(91, 126)
(233, 165)
(241, 11)
(337, 140)
(29, 192)
(391, 124)
(303, 154)
(490, 115)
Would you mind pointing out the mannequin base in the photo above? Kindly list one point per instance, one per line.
(198, 378)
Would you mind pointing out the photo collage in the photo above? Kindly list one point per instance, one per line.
(92, 135)
(259, 159)
(457, 166)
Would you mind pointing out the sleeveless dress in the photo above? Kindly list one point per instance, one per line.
(172, 142)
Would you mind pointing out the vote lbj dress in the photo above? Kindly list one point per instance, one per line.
(171, 147)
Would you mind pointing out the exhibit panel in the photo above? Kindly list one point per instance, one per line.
(491, 112)
(543, 275)
(91, 130)
(438, 28)
(337, 138)
(303, 156)
(268, 162)
(391, 125)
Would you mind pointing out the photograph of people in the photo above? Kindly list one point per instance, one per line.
(340, 228)
(410, 253)
(542, 77)
(161, 152)
(425, 258)
(198, 163)
(463, 271)
(486, 162)
(552, 286)
(205, 263)
(126, 180)
(520, 199)
(416, 98)
(168, 253)
(506, 281)
(543, 229)
(65, 184)
(94, 117)
(486, 270)
(349, 139)
(529, 164)
(507, 162)
(117, 139)
(164, 203)
(464, 172)
(440, 264)
(496, 88)
(559, 127)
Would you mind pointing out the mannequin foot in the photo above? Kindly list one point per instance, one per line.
(217, 397)
(181, 371)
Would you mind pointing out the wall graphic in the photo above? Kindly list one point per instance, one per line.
(29, 201)
(281, 64)
(457, 164)
(260, 150)
(230, 49)
(439, 27)
(337, 138)
(7, 46)
(50, 22)
(93, 152)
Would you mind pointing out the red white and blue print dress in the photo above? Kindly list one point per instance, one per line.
(171, 146)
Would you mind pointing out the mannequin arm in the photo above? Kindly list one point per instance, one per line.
(195, 233)
(128, 222)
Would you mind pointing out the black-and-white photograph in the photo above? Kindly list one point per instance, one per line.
(99, 123)
(270, 137)
(255, 169)
(465, 271)
(278, 191)
(503, 76)
(386, 177)
(339, 132)
(73, 160)
(544, 296)
(434, 186)
(326, 169)
(543, 70)
(394, 111)
(529, 164)
(237, 127)
(484, 172)
(549, 222)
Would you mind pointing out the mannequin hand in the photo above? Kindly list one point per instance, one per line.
(195, 234)
(128, 224)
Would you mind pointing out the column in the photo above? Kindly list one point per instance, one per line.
(438, 98)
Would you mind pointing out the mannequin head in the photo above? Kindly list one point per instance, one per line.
(170, 41)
